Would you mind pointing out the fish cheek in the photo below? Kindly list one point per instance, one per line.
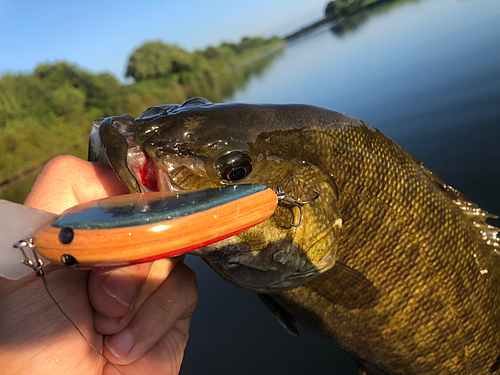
(321, 229)
(318, 235)
(186, 171)
(315, 240)
(276, 173)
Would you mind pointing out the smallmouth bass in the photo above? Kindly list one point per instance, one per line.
(390, 264)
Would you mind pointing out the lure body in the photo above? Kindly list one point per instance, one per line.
(142, 227)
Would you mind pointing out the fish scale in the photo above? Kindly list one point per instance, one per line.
(445, 243)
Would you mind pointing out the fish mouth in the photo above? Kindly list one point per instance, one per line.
(143, 164)
(150, 176)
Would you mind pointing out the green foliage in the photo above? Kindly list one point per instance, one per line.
(156, 60)
(211, 53)
(48, 112)
(208, 73)
(361, 11)
(343, 8)
(68, 101)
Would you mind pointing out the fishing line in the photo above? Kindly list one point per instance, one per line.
(46, 285)
(36, 264)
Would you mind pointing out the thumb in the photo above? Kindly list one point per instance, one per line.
(66, 181)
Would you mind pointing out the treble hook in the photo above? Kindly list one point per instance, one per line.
(36, 264)
(282, 197)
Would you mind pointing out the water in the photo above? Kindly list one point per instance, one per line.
(426, 73)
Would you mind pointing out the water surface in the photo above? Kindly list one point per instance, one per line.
(426, 73)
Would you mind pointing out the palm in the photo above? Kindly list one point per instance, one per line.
(44, 338)
(33, 332)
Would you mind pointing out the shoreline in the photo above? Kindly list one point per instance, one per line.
(333, 20)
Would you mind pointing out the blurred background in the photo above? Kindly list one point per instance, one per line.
(425, 72)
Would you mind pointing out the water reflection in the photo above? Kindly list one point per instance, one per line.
(352, 23)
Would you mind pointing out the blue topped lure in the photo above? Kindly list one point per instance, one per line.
(131, 228)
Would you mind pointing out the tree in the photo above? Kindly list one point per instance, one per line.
(156, 60)
(211, 53)
(68, 101)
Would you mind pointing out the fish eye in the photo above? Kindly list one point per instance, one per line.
(233, 166)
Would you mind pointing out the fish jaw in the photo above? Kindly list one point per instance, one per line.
(97, 151)
(149, 176)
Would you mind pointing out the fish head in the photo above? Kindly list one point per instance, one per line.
(203, 145)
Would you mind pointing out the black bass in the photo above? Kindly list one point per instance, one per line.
(389, 263)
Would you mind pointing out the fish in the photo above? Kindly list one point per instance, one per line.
(389, 263)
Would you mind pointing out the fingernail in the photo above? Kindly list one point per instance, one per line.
(121, 286)
(120, 344)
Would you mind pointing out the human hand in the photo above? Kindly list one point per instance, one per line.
(138, 316)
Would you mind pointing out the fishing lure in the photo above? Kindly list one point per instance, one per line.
(130, 228)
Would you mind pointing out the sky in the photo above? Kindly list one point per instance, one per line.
(101, 35)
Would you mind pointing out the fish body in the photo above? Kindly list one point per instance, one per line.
(390, 264)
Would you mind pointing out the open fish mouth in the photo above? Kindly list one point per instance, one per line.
(135, 167)
(147, 173)
(135, 148)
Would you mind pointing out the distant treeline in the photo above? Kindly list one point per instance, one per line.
(360, 16)
(48, 112)
(340, 12)
(342, 8)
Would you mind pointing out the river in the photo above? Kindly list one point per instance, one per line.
(426, 73)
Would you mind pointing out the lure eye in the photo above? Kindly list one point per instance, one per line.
(66, 235)
(233, 166)
(69, 260)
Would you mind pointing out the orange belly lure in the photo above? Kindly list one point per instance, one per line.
(136, 228)
(132, 228)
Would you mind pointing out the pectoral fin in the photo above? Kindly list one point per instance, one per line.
(286, 320)
(345, 286)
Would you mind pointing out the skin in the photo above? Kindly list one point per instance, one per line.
(138, 316)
